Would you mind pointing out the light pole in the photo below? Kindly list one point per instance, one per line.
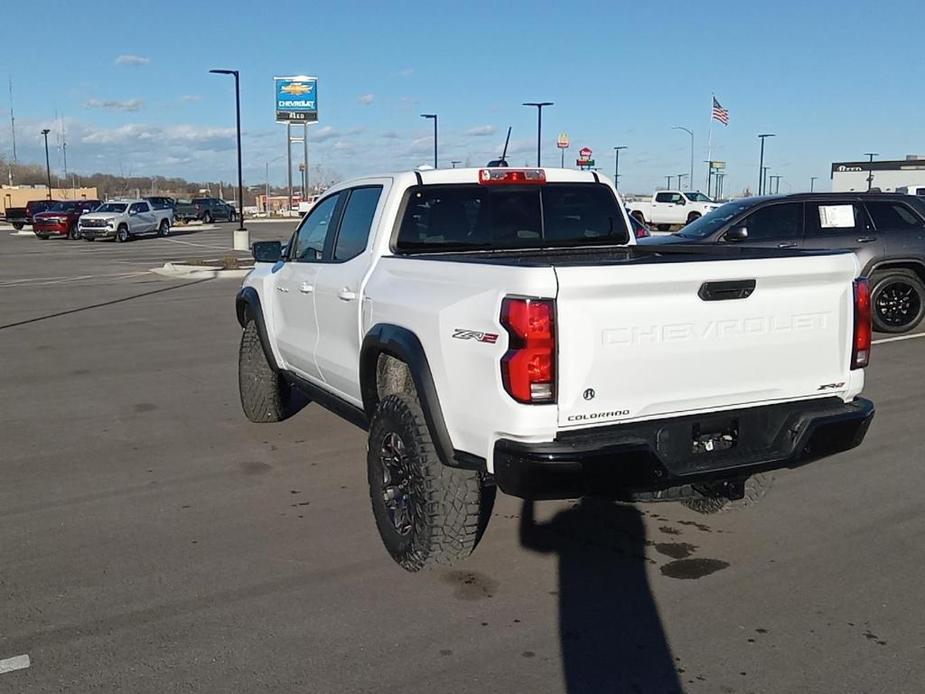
(870, 169)
(668, 182)
(761, 162)
(812, 183)
(237, 105)
(433, 116)
(455, 162)
(681, 176)
(47, 164)
(691, 133)
(539, 124)
(764, 179)
(774, 182)
(616, 166)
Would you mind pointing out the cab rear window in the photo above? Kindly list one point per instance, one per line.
(474, 217)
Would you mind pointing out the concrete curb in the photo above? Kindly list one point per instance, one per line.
(180, 271)
(23, 232)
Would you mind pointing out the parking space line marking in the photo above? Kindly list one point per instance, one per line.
(898, 338)
(201, 245)
(18, 662)
(38, 281)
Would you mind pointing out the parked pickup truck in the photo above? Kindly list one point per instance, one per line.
(61, 218)
(123, 220)
(669, 208)
(499, 328)
(20, 217)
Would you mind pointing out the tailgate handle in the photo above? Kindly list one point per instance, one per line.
(724, 291)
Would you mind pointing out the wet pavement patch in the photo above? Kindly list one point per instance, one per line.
(675, 550)
(689, 569)
(470, 585)
(253, 468)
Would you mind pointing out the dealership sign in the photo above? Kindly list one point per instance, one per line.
(562, 142)
(296, 99)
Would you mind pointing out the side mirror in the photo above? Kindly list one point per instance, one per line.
(680, 201)
(736, 234)
(267, 251)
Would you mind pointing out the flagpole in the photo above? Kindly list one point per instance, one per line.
(710, 144)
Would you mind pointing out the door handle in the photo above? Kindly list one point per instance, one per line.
(786, 245)
(306, 288)
(867, 239)
(346, 295)
(282, 289)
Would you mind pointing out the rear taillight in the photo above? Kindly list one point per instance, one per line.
(528, 369)
(501, 177)
(642, 232)
(860, 353)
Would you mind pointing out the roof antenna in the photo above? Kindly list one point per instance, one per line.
(503, 160)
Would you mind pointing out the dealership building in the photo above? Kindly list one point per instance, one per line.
(887, 176)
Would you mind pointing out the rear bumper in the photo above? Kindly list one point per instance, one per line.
(630, 459)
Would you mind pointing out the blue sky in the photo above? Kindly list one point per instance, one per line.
(832, 79)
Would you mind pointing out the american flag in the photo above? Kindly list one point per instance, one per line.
(719, 113)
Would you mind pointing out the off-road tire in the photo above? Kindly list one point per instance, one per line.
(756, 487)
(265, 395)
(449, 506)
(164, 228)
(897, 280)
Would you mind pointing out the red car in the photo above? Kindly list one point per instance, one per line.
(61, 218)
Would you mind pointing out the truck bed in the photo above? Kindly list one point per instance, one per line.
(618, 255)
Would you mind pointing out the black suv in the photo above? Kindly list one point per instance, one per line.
(212, 209)
(885, 230)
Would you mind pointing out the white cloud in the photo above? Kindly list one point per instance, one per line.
(115, 104)
(327, 132)
(189, 98)
(482, 131)
(367, 99)
(391, 135)
(133, 60)
(185, 135)
(405, 72)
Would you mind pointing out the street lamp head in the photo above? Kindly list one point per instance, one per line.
(428, 115)
(620, 147)
(224, 72)
(871, 154)
(538, 104)
(767, 135)
(45, 131)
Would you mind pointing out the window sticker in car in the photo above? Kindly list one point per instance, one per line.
(836, 216)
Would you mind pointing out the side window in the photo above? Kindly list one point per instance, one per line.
(137, 207)
(356, 222)
(835, 218)
(664, 197)
(776, 222)
(892, 215)
(309, 241)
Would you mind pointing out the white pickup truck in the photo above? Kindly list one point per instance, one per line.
(500, 328)
(668, 208)
(124, 220)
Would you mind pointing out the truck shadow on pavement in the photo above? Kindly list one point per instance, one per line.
(611, 635)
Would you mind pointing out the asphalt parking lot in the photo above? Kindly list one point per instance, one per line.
(153, 540)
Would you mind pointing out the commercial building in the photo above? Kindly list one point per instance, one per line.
(18, 196)
(887, 176)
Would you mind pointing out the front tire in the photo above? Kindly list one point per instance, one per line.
(427, 513)
(164, 228)
(122, 235)
(207, 218)
(898, 301)
(265, 395)
(692, 216)
(73, 234)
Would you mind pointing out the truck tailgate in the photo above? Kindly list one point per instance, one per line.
(640, 341)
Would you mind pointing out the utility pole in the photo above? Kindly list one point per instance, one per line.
(691, 133)
(433, 117)
(761, 168)
(616, 166)
(45, 132)
(870, 169)
(538, 105)
(812, 183)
